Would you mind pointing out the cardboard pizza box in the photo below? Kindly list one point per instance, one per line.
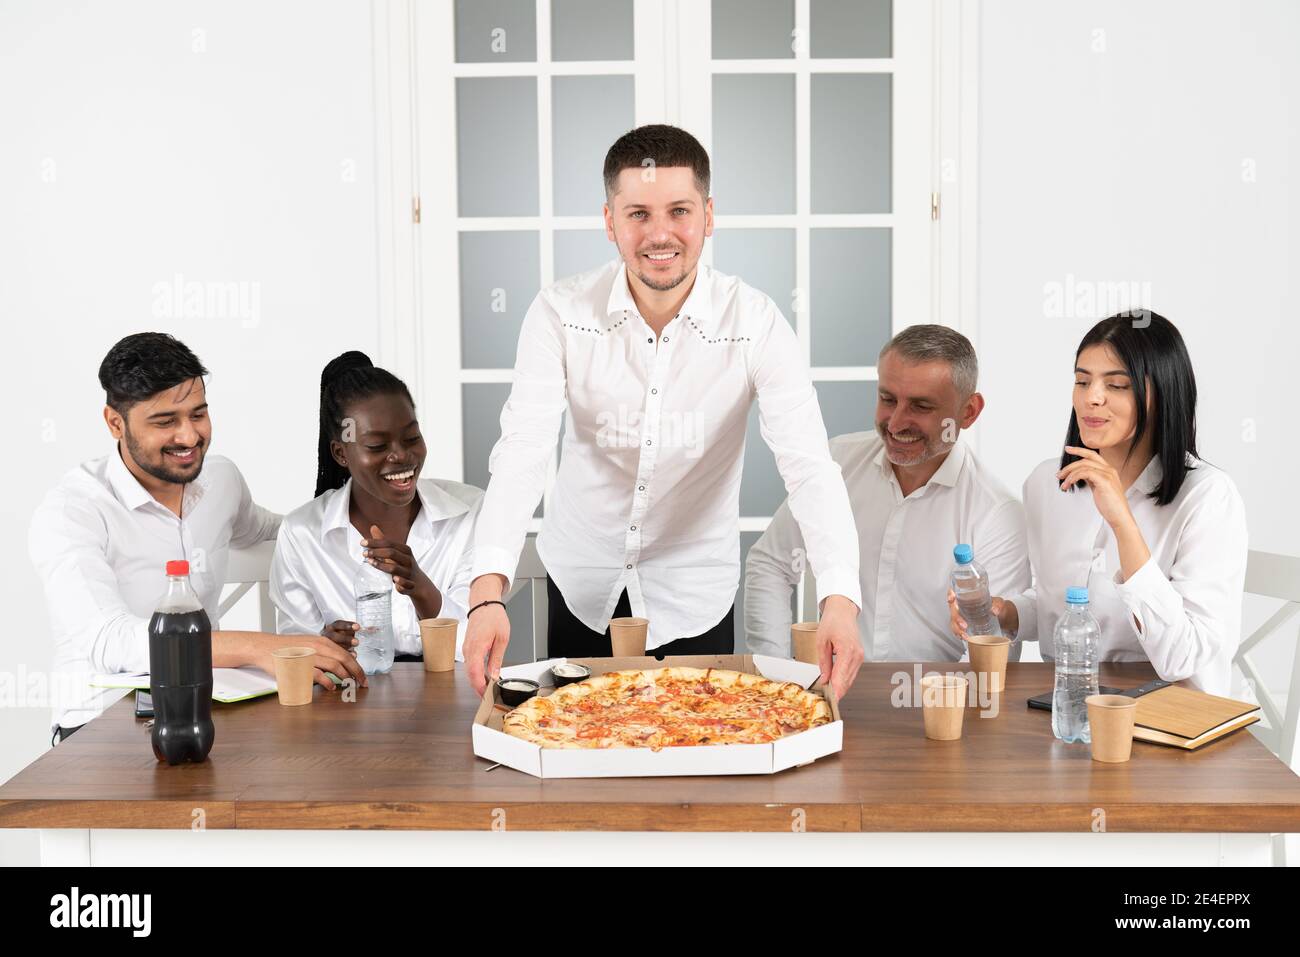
(802, 748)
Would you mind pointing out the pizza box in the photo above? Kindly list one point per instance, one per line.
(803, 748)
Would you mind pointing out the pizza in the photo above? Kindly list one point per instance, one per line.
(667, 708)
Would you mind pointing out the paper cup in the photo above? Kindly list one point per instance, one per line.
(988, 656)
(1110, 718)
(294, 674)
(628, 636)
(943, 704)
(438, 636)
(803, 641)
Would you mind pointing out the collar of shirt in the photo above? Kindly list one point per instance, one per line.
(947, 473)
(133, 495)
(1149, 480)
(435, 505)
(698, 306)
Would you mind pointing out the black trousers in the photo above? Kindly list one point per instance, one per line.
(567, 637)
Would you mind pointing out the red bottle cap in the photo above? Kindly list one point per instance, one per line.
(178, 568)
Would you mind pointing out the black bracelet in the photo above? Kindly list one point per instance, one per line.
(481, 604)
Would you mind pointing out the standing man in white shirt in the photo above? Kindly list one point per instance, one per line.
(917, 491)
(656, 360)
(101, 538)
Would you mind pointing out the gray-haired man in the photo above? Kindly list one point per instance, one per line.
(916, 491)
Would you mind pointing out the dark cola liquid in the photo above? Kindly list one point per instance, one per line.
(180, 680)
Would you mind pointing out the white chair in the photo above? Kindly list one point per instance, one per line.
(249, 568)
(1278, 577)
(531, 570)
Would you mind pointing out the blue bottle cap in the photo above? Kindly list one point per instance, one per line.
(1075, 595)
(963, 554)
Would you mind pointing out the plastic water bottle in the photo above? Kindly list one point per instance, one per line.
(970, 583)
(376, 646)
(1076, 638)
(180, 672)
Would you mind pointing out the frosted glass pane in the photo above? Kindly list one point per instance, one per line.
(591, 30)
(851, 142)
(578, 250)
(849, 306)
(490, 31)
(481, 405)
(496, 145)
(590, 113)
(847, 406)
(851, 28)
(764, 258)
(499, 277)
(753, 143)
(748, 29)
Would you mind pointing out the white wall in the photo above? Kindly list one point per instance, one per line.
(1156, 143)
(133, 149)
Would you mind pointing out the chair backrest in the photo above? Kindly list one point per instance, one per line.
(249, 568)
(531, 570)
(1274, 576)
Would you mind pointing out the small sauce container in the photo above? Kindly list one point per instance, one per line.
(515, 691)
(569, 672)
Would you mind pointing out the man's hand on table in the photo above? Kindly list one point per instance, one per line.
(487, 632)
(838, 648)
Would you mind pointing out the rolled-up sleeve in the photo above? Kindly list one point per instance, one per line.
(1189, 619)
(790, 422)
(530, 425)
(68, 543)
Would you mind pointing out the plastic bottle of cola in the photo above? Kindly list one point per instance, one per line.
(180, 672)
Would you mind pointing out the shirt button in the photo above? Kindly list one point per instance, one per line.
(634, 528)
(665, 338)
(629, 566)
(648, 442)
(651, 341)
(654, 391)
(640, 488)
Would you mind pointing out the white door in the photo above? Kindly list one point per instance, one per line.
(818, 118)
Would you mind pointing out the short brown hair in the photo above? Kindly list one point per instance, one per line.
(653, 146)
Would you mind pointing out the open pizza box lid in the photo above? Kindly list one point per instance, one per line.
(803, 747)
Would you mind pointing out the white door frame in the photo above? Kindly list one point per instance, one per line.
(411, 40)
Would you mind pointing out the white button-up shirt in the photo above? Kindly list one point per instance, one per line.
(1187, 597)
(905, 547)
(647, 496)
(100, 542)
(318, 555)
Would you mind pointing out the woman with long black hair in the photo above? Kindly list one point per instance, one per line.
(1130, 510)
(372, 505)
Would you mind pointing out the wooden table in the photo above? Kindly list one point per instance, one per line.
(392, 776)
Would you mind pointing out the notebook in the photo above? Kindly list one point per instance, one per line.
(228, 684)
(1185, 718)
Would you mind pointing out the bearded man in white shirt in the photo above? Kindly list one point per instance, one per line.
(656, 359)
(917, 491)
(101, 538)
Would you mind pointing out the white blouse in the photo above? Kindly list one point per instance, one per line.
(318, 554)
(1181, 610)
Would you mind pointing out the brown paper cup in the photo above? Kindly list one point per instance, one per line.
(294, 674)
(438, 636)
(943, 704)
(1110, 718)
(988, 655)
(803, 641)
(628, 636)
